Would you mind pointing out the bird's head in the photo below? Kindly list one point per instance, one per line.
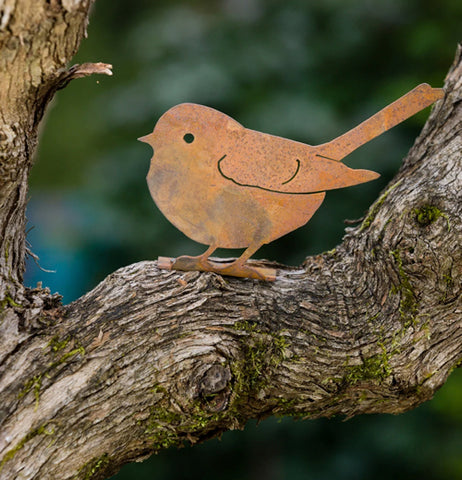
(191, 131)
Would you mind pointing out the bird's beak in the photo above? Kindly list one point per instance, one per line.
(146, 138)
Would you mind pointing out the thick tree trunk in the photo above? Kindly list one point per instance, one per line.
(151, 359)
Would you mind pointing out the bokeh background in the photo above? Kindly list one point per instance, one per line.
(299, 69)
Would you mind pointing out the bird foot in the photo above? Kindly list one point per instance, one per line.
(234, 269)
(217, 265)
(187, 263)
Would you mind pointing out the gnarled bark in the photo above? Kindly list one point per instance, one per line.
(151, 359)
(37, 39)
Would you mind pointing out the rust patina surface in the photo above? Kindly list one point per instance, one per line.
(226, 186)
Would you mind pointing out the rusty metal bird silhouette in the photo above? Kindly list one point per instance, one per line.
(226, 186)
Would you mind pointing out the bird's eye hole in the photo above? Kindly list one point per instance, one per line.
(188, 138)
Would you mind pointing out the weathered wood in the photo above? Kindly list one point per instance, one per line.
(150, 359)
(37, 39)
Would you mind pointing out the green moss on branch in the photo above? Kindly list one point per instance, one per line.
(427, 214)
(376, 367)
(27, 438)
(90, 469)
(376, 207)
(408, 305)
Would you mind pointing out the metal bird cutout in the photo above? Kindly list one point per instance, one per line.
(226, 186)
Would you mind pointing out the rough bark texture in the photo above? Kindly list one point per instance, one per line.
(151, 359)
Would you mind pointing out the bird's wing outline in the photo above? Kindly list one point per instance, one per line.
(311, 176)
(295, 174)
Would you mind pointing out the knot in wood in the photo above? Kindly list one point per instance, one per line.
(214, 388)
(215, 380)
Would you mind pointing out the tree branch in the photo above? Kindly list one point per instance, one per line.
(151, 359)
(29, 77)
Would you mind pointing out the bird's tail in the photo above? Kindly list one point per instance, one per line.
(417, 99)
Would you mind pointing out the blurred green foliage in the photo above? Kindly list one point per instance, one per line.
(304, 70)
